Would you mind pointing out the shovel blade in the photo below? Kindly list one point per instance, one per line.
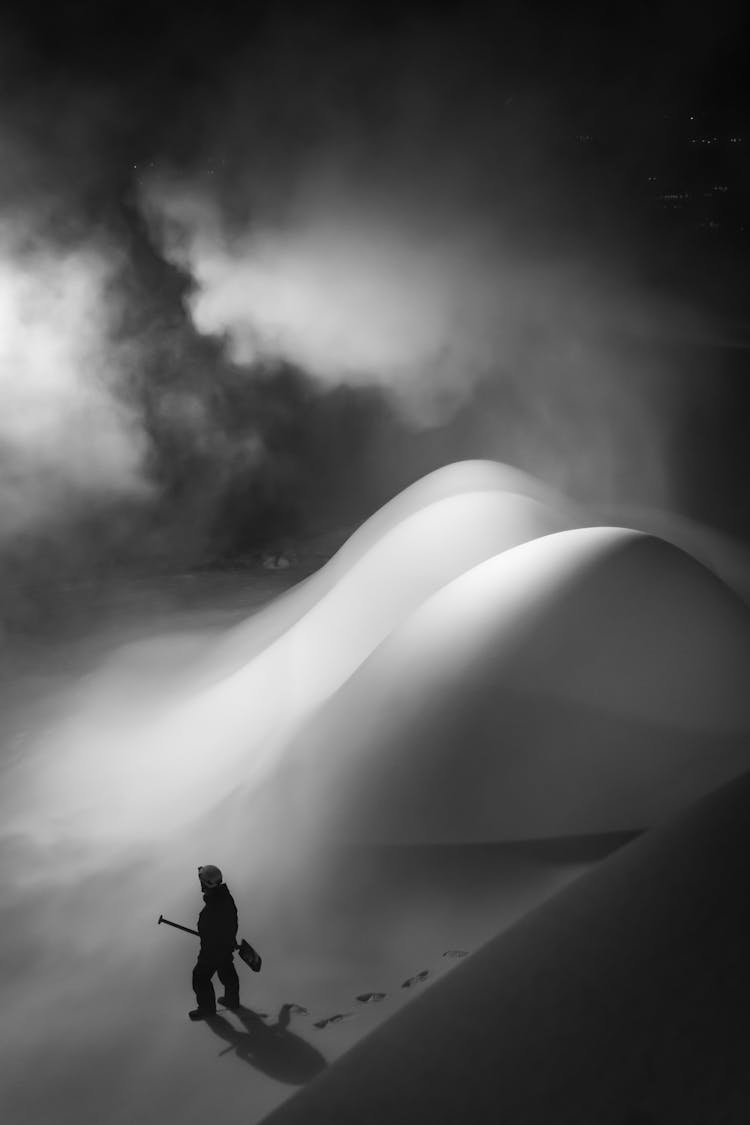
(250, 956)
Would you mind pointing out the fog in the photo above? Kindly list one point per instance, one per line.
(453, 316)
(338, 256)
(67, 434)
(259, 273)
(515, 679)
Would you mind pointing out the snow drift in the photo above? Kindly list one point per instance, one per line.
(588, 680)
(462, 670)
(618, 1000)
(472, 666)
(229, 727)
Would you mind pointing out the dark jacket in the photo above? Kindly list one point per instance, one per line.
(217, 922)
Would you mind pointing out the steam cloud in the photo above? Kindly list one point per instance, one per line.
(358, 293)
(348, 299)
(66, 433)
(390, 221)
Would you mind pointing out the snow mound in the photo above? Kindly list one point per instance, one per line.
(195, 749)
(476, 673)
(517, 507)
(591, 680)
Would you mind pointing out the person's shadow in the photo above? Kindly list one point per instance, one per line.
(270, 1048)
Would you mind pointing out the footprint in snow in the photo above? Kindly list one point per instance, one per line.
(338, 1018)
(371, 997)
(416, 979)
(454, 953)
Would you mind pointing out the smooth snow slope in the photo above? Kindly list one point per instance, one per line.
(526, 508)
(451, 680)
(229, 731)
(589, 680)
(623, 999)
(728, 559)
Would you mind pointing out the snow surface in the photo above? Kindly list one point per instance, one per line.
(588, 680)
(474, 666)
(92, 781)
(623, 999)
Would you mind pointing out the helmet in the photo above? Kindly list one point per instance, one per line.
(210, 876)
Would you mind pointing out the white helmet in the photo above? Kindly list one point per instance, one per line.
(210, 876)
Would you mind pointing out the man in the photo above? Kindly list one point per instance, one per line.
(217, 927)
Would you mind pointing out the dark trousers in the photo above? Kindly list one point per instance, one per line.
(205, 967)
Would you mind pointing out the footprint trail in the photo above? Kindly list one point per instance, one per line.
(368, 998)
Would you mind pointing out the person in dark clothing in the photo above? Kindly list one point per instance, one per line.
(217, 927)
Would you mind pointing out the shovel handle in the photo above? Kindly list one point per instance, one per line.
(176, 925)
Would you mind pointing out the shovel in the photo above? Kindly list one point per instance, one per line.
(250, 956)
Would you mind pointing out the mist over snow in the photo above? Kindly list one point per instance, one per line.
(394, 296)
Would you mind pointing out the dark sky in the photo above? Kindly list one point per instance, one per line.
(129, 83)
(526, 154)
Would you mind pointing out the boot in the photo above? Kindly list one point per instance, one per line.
(231, 1002)
(201, 1014)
